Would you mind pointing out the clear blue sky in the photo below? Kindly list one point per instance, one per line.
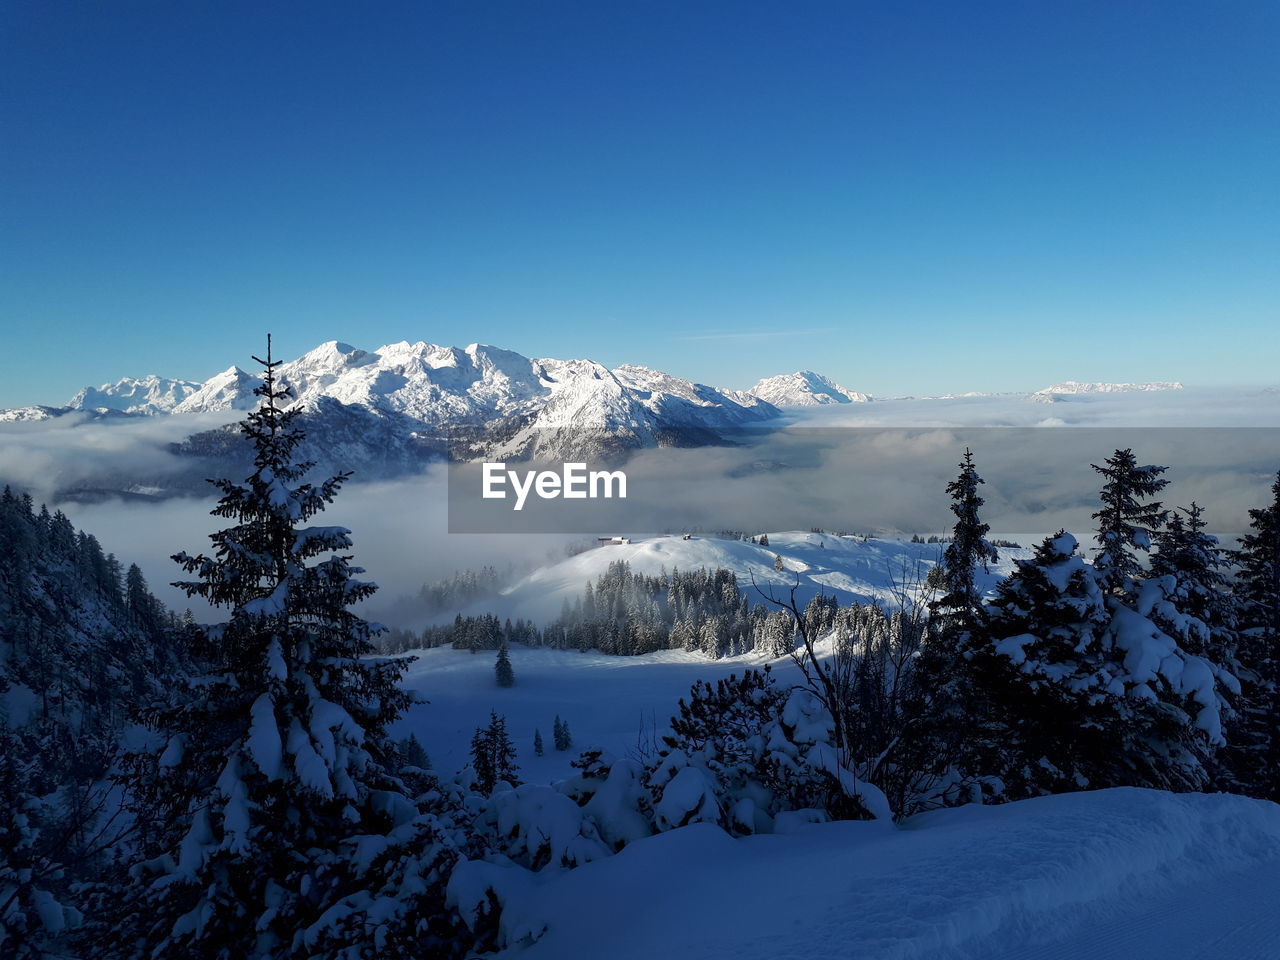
(907, 196)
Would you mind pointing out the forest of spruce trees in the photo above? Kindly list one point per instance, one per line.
(232, 791)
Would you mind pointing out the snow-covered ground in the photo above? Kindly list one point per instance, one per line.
(1125, 874)
(851, 569)
(607, 701)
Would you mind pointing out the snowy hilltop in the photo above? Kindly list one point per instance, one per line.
(804, 388)
(1074, 386)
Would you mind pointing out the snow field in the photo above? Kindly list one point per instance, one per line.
(1053, 877)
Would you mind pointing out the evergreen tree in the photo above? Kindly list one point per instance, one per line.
(1254, 758)
(764, 539)
(1126, 521)
(414, 754)
(961, 603)
(257, 780)
(503, 672)
(561, 738)
(1197, 563)
(1174, 699)
(537, 743)
(945, 693)
(493, 756)
(777, 563)
(1044, 712)
(31, 916)
(1083, 689)
(1258, 574)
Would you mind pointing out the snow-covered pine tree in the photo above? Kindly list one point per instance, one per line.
(1044, 711)
(561, 738)
(493, 756)
(503, 672)
(76, 661)
(778, 634)
(413, 753)
(1258, 575)
(1174, 699)
(1126, 522)
(31, 916)
(255, 785)
(537, 743)
(960, 606)
(1254, 756)
(1197, 563)
(945, 694)
(1078, 688)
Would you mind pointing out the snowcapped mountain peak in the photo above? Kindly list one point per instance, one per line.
(1075, 386)
(804, 388)
(232, 389)
(332, 355)
(404, 393)
(150, 395)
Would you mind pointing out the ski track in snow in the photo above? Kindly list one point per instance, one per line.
(1232, 916)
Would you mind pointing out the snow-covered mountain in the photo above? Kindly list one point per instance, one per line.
(38, 413)
(1074, 386)
(391, 410)
(149, 395)
(232, 389)
(35, 413)
(441, 387)
(804, 388)
(417, 394)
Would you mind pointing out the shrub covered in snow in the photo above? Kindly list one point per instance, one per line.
(746, 749)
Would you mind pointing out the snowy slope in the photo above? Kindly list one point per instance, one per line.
(605, 700)
(1110, 875)
(1132, 874)
(848, 568)
(804, 388)
(232, 389)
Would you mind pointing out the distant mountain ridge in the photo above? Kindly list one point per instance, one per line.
(148, 395)
(392, 410)
(804, 388)
(1074, 386)
(442, 387)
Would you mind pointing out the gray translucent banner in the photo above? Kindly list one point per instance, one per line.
(884, 481)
